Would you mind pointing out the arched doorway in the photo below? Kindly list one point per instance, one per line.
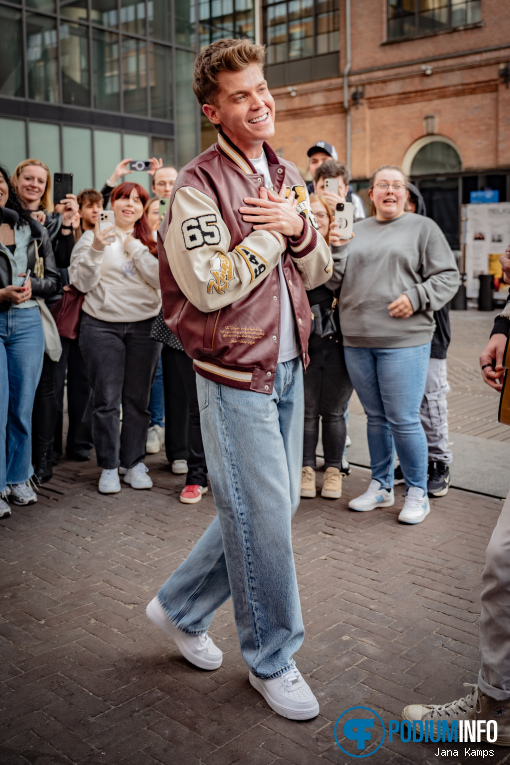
(434, 163)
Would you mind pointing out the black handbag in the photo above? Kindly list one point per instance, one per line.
(324, 322)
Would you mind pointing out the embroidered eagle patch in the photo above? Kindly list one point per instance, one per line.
(222, 274)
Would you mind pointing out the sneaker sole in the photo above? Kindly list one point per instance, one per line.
(128, 482)
(5, 513)
(179, 471)
(331, 494)
(388, 503)
(414, 522)
(186, 501)
(22, 504)
(109, 491)
(172, 631)
(291, 714)
(152, 450)
(440, 493)
(308, 493)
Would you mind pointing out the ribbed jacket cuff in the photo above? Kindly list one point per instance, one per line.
(501, 326)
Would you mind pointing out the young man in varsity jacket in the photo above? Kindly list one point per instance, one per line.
(237, 252)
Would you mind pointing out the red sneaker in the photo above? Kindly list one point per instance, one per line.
(191, 494)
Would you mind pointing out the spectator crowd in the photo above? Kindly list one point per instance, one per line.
(81, 318)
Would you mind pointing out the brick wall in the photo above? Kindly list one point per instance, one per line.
(463, 92)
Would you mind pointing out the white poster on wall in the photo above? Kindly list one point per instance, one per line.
(486, 236)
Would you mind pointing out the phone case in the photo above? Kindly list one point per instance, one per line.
(62, 185)
(344, 219)
(106, 219)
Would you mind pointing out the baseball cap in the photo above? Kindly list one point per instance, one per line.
(323, 146)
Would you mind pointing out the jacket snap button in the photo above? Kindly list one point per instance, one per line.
(290, 283)
(300, 321)
(274, 337)
(280, 170)
(268, 374)
(266, 387)
(274, 297)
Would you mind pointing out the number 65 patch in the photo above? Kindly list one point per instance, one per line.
(200, 231)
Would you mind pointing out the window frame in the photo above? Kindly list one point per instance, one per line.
(316, 14)
(424, 33)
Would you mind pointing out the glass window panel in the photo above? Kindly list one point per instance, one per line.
(106, 71)
(105, 12)
(42, 5)
(160, 21)
(132, 17)
(137, 147)
(432, 21)
(107, 155)
(77, 151)
(42, 58)
(474, 13)
(11, 60)
(44, 144)
(74, 9)
(161, 82)
(74, 59)
(134, 73)
(13, 136)
(187, 123)
(163, 148)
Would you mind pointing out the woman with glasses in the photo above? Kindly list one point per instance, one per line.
(399, 270)
(327, 384)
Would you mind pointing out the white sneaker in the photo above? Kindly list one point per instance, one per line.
(137, 477)
(197, 649)
(155, 439)
(416, 507)
(288, 694)
(372, 498)
(109, 482)
(348, 441)
(23, 493)
(179, 467)
(5, 508)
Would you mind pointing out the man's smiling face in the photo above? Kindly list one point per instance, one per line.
(244, 108)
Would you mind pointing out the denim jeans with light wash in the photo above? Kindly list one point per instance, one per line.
(21, 359)
(390, 383)
(157, 400)
(253, 446)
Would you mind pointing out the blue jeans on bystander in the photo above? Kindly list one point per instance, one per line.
(253, 446)
(21, 359)
(390, 383)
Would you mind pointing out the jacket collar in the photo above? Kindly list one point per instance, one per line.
(226, 146)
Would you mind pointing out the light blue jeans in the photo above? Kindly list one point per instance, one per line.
(253, 446)
(390, 383)
(21, 360)
(157, 400)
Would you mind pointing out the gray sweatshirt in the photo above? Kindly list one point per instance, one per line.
(407, 255)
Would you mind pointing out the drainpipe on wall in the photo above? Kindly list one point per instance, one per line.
(346, 82)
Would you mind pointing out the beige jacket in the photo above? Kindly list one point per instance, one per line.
(120, 284)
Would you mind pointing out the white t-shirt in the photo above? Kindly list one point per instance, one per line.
(289, 347)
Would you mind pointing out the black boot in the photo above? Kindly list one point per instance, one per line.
(43, 462)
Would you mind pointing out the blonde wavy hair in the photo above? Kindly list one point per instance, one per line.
(46, 203)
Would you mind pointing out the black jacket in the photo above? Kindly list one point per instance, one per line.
(46, 287)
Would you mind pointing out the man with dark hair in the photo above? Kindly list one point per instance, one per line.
(236, 254)
(320, 152)
(90, 204)
(330, 168)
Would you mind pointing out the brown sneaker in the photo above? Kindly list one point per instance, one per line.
(308, 482)
(475, 706)
(332, 485)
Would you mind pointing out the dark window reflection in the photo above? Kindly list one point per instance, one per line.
(106, 71)
(42, 58)
(74, 56)
(161, 82)
(11, 60)
(134, 73)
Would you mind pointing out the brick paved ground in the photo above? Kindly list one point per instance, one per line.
(390, 613)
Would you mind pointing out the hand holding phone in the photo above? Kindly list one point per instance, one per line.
(27, 277)
(62, 185)
(104, 232)
(163, 207)
(344, 216)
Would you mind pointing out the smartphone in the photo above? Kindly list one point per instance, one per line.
(107, 219)
(140, 164)
(25, 280)
(331, 185)
(163, 207)
(344, 215)
(62, 185)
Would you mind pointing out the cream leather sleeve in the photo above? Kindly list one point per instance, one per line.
(311, 253)
(197, 244)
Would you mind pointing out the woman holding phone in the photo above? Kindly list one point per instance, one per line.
(32, 182)
(27, 270)
(117, 269)
(399, 270)
(327, 384)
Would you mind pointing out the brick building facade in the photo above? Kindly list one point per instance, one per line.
(439, 87)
